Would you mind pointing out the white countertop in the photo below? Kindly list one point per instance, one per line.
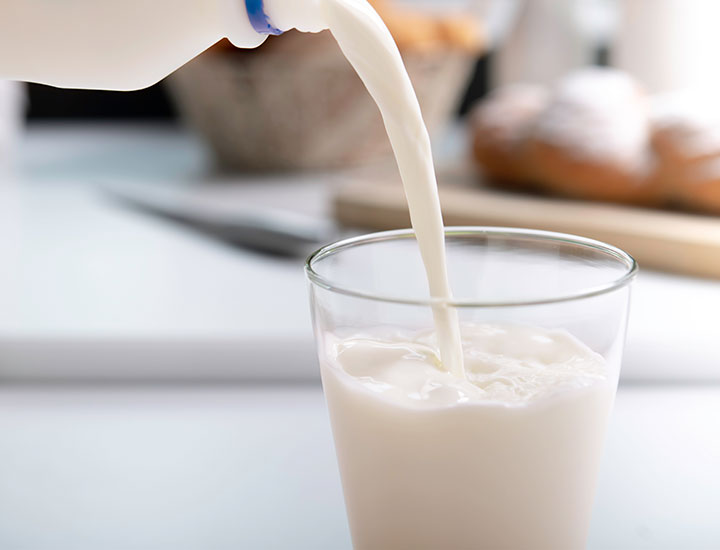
(229, 468)
(100, 290)
(91, 290)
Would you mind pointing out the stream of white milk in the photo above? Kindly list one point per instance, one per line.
(369, 47)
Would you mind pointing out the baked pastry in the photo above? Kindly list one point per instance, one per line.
(685, 135)
(501, 126)
(597, 136)
(591, 141)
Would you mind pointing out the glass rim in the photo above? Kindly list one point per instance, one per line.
(545, 236)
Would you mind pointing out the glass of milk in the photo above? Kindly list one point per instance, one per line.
(506, 454)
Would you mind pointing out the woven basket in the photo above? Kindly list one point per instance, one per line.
(297, 104)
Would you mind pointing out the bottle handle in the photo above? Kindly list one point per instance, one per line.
(259, 19)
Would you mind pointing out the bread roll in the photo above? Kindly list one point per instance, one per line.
(685, 134)
(501, 126)
(592, 141)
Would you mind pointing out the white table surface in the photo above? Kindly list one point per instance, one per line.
(91, 289)
(229, 468)
(99, 290)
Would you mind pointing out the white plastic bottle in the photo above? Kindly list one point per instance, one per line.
(131, 44)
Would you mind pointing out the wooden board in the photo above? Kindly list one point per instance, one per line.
(670, 241)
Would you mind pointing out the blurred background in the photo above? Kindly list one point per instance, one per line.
(158, 382)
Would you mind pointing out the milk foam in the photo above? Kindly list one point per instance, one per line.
(504, 365)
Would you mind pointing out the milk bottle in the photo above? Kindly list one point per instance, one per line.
(131, 44)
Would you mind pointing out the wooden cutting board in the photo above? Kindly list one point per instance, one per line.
(664, 240)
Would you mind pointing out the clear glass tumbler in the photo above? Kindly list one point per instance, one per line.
(508, 462)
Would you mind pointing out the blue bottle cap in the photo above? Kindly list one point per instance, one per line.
(259, 19)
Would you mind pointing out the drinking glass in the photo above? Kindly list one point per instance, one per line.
(479, 475)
